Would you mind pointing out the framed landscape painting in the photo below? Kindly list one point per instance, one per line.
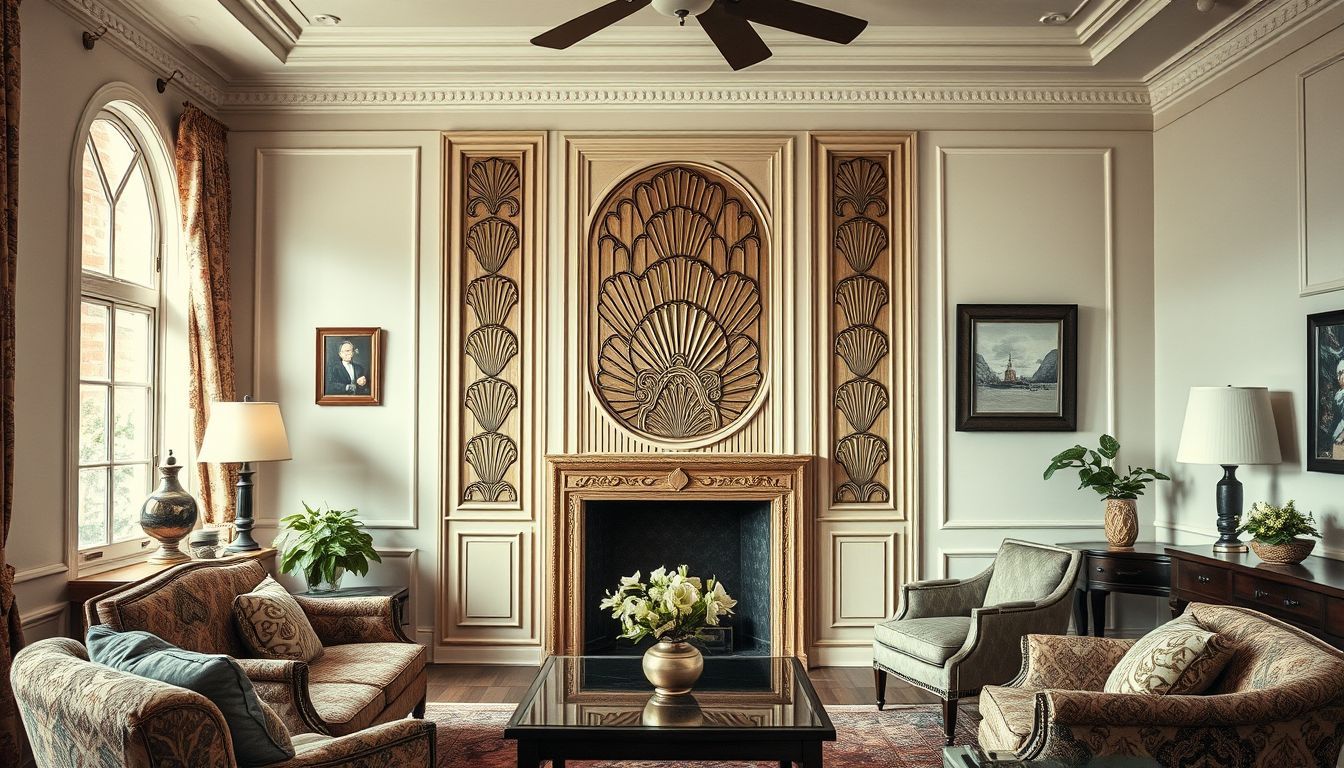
(1325, 392)
(349, 366)
(1017, 367)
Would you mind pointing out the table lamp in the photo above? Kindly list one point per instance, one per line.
(243, 433)
(1229, 426)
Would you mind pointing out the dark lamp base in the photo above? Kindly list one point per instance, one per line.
(1230, 548)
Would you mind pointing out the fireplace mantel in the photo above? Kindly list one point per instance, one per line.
(782, 480)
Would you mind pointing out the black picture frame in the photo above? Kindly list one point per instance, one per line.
(1064, 417)
(1325, 396)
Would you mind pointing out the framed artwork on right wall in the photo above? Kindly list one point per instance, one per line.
(1325, 392)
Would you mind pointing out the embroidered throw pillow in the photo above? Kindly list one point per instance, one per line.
(1178, 658)
(273, 625)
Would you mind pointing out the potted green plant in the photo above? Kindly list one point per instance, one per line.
(323, 544)
(1096, 470)
(1275, 532)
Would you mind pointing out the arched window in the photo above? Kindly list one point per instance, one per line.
(120, 299)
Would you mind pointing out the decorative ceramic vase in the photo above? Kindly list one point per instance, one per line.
(672, 712)
(1291, 553)
(327, 586)
(168, 514)
(673, 667)
(1122, 523)
(204, 543)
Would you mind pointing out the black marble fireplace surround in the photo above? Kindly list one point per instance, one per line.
(726, 539)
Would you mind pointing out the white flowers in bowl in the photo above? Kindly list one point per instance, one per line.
(671, 607)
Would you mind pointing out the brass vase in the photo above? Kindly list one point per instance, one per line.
(673, 667)
(1122, 523)
(169, 514)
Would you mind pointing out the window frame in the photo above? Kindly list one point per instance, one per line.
(123, 105)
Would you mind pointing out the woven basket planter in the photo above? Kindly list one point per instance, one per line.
(1291, 553)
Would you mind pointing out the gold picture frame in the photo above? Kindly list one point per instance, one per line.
(348, 366)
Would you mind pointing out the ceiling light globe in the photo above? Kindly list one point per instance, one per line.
(675, 8)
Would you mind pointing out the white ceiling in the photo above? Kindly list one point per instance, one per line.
(533, 13)
(403, 41)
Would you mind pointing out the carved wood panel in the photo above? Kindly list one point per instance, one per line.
(678, 331)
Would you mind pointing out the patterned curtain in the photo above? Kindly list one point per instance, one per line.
(11, 634)
(203, 189)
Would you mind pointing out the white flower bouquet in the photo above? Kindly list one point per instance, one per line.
(671, 607)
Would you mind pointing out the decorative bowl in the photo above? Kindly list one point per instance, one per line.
(1290, 553)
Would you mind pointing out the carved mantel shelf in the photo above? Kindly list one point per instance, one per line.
(782, 480)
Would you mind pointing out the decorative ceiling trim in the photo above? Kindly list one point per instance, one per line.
(1131, 99)
(276, 24)
(125, 31)
(1258, 29)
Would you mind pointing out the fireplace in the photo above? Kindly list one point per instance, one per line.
(744, 518)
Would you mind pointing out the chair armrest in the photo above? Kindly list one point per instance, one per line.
(408, 743)
(1069, 662)
(1087, 708)
(942, 597)
(992, 654)
(346, 620)
(283, 685)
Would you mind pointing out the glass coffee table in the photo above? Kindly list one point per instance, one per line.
(601, 708)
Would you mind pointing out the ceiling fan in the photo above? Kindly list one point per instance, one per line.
(727, 22)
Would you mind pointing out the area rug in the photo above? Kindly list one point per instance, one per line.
(470, 736)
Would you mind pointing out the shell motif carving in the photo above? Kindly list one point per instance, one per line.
(862, 347)
(859, 184)
(492, 298)
(862, 454)
(679, 307)
(861, 298)
(490, 455)
(491, 347)
(492, 242)
(491, 401)
(493, 184)
(861, 401)
(861, 241)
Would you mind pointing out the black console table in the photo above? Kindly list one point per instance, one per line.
(1144, 569)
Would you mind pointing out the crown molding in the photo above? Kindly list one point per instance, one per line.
(276, 24)
(973, 97)
(1261, 26)
(155, 51)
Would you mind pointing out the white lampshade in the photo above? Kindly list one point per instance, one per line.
(1229, 425)
(248, 431)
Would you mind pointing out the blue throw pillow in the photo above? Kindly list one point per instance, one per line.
(214, 676)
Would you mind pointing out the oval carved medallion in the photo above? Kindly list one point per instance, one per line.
(677, 256)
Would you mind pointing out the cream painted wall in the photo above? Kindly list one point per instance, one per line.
(1050, 214)
(1227, 293)
(59, 78)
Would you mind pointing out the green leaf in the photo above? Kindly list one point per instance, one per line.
(1110, 447)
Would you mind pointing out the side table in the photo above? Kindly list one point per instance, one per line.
(1144, 569)
(79, 591)
(400, 596)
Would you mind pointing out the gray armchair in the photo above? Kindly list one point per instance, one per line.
(953, 637)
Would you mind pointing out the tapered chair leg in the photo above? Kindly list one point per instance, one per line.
(949, 719)
(880, 683)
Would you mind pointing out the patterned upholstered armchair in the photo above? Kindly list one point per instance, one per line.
(81, 714)
(1279, 702)
(369, 673)
(953, 637)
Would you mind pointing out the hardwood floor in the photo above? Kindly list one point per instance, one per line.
(491, 684)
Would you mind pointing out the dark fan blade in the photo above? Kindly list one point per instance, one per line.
(735, 38)
(589, 23)
(799, 18)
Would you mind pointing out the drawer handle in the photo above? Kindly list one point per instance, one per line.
(1259, 593)
(1203, 579)
(1128, 573)
(1100, 569)
(1290, 603)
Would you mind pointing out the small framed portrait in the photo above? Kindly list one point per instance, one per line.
(1017, 368)
(349, 366)
(1325, 392)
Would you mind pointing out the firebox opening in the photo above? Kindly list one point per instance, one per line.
(728, 540)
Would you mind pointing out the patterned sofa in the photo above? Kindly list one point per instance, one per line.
(79, 714)
(370, 672)
(1279, 702)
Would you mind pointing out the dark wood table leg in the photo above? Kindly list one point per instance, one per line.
(558, 763)
(785, 764)
(880, 684)
(1098, 600)
(528, 757)
(811, 755)
(1080, 611)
